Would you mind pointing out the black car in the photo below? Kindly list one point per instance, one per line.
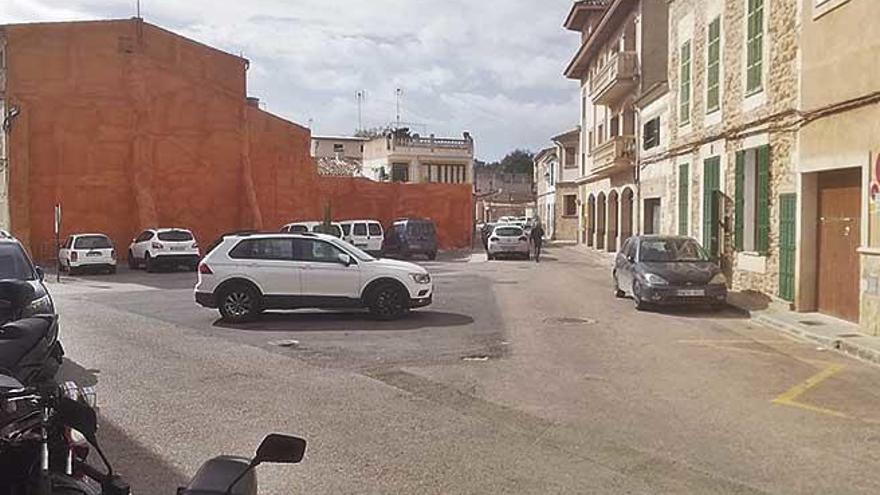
(408, 237)
(15, 264)
(668, 270)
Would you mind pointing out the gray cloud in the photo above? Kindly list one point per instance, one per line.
(491, 67)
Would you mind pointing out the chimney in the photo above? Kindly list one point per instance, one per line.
(253, 101)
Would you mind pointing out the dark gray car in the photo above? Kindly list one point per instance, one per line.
(668, 270)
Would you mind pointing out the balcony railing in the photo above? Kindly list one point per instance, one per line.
(617, 152)
(431, 143)
(615, 79)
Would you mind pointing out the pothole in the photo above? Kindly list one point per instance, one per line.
(568, 320)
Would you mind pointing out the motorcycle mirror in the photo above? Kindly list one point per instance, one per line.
(280, 448)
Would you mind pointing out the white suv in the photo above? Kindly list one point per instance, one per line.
(246, 274)
(169, 247)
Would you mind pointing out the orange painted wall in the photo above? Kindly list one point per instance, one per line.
(130, 126)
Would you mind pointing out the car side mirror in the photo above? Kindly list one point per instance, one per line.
(345, 259)
(281, 449)
(631, 258)
(40, 273)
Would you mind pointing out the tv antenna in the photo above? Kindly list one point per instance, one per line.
(399, 94)
(138, 8)
(361, 98)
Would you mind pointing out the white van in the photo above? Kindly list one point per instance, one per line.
(365, 234)
(300, 227)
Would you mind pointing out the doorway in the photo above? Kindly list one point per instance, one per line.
(838, 238)
(652, 216)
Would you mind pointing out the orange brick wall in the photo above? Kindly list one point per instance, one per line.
(130, 126)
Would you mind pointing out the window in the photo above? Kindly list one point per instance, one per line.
(263, 249)
(315, 250)
(145, 236)
(651, 133)
(671, 250)
(298, 229)
(569, 205)
(92, 242)
(713, 67)
(346, 228)
(400, 172)
(570, 158)
(755, 47)
(338, 148)
(752, 201)
(652, 216)
(684, 84)
(375, 229)
(175, 236)
(14, 263)
(360, 229)
(683, 187)
(68, 243)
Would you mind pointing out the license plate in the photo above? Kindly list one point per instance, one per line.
(691, 293)
(93, 253)
(178, 248)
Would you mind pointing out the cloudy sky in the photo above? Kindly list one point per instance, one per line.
(491, 67)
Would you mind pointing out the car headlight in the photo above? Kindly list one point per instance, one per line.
(421, 278)
(39, 306)
(718, 279)
(655, 279)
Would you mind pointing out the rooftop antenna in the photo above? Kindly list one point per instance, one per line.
(138, 2)
(361, 97)
(399, 93)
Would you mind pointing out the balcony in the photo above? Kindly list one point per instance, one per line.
(613, 155)
(615, 80)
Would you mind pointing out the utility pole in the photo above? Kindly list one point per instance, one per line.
(361, 98)
(399, 93)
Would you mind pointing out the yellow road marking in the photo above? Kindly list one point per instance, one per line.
(789, 397)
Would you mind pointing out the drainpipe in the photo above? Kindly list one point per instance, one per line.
(637, 172)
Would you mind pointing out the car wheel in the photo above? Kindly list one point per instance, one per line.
(489, 256)
(617, 292)
(149, 263)
(239, 303)
(132, 261)
(432, 256)
(388, 302)
(639, 303)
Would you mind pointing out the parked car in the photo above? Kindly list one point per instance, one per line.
(411, 236)
(365, 234)
(168, 247)
(508, 240)
(15, 264)
(316, 227)
(247, 274)
(668, 270)
(82, 252)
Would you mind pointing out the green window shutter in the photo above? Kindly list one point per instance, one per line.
(711, 184)
(683, 179)
(787, 245)
(762, 241)
(754, 46)
(713, 68)
(684, 84)
(739, 201)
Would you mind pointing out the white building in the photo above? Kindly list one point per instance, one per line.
(403, 157)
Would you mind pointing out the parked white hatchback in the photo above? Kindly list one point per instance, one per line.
(365, 234)
(246, 274)
(173, 247)
(507, 240)
(82, 252)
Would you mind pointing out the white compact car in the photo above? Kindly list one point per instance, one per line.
(365, 234)
(163, 247)
(508, 240)
(246, 274)
(87, 252)
(314, 227)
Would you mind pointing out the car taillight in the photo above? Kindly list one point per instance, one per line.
(493, 239)
(158, 245)
(205, 269)
(523, 238)
(113, 254)
(74, 256)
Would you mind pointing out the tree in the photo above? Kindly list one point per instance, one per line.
(518, 161)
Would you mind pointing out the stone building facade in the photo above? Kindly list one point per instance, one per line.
(733, 79)
(565, 187)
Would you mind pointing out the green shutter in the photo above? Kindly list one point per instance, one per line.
(762, 241)
(754, 46)
(683, 179)
(711, 184)
(684, 84)
(713, 70)
(739, 202)
(787, 245)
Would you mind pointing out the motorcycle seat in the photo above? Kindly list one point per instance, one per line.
(19, 338)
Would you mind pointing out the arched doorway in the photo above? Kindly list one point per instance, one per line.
(626, 214)
(611, 243)
(600, 221)
(591, 220)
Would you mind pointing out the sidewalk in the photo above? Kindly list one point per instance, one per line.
(839, 335)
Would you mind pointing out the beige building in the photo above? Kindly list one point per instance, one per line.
(346, 147)
(400, 156)
(733, 78)
(546, 170)
(620, 64)
(838, 161)
(565, 187)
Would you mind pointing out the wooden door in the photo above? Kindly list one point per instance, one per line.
(839, 235)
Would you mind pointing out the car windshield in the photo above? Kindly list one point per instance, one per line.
(509, 231)
(175, 236)
(297, 229)
(358, 253)
(333, 230)
(672, 250)
(93, 242)
(14, 264)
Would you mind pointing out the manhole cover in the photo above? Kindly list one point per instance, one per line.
(811, 323)
(848, 335)
(570, 321)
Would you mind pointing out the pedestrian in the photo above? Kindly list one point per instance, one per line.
(538, 240)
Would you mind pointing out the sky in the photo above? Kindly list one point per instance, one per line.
(490, 67)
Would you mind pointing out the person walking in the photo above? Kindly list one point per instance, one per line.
(538, 240)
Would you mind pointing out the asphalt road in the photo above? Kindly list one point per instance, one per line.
(521, 378)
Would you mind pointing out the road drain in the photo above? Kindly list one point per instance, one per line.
(570, 321)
